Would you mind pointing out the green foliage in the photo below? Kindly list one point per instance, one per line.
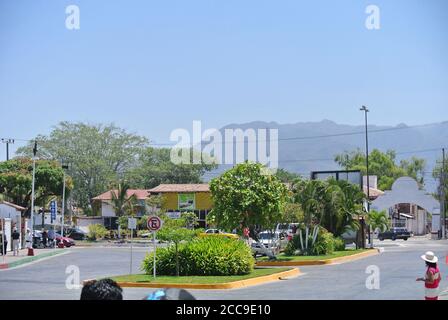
(331, 204)
(292, 213)
(378, 220)
(325, 244)
(121, 202)
(286, 176)
(155, 167)
(97, 231)
(97, 154)
(245, 197)
(207, 256)
(383, 165)
(16, 177)
(191, 219)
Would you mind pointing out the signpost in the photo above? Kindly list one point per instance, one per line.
(53, 209)
(132, 225)
(154, 225)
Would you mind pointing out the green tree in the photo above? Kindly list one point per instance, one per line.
(16, 177)
(155, 167)
(383, 165)
(122, 202)
(286, 176)
(378, 220)
(174, 231)
(244, 197)
(98, 155)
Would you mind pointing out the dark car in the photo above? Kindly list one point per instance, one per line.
(394, 234)
(76, 234)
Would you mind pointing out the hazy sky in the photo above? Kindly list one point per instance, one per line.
(153, 66)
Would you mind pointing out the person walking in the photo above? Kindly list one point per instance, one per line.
(432, 277)
(51, 237)
(15, 241)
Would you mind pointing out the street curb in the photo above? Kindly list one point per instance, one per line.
(319, 262)
(226, 285)
(4, 266)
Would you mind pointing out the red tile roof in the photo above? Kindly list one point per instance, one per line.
(164, 188)
(13, 205)
(374, 193)
(139, 193)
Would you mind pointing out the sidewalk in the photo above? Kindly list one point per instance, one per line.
(10, 261)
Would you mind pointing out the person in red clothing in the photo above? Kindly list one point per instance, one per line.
(432, 278)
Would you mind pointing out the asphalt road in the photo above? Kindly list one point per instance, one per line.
(399, 266)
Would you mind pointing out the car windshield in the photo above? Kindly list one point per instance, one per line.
(266, 236)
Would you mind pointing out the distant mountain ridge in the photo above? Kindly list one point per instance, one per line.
(312, 146)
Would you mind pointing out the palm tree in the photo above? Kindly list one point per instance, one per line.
(378, 220)
(121, 202)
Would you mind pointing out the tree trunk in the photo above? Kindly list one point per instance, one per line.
(177, 260)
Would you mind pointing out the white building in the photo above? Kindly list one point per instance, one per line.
(11, 217)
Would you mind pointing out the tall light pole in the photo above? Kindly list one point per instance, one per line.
(443, 197)
(366, 110)
(7, 142)
(64, 167)
(32, 196)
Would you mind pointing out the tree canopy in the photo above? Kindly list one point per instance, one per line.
(16, 177)
(244, 197)
(384, 165)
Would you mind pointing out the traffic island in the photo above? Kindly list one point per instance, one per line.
(337, 257)
(256, 277)
(16, 261)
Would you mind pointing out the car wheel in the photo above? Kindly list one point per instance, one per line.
(394, 238)
(381, 239)
(405, 239)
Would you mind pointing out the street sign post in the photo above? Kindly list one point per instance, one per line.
(53, 209)
(154, 225)
(132, 225)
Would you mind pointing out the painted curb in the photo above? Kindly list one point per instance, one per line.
(227, 285)
(30, 259)
(319, 262)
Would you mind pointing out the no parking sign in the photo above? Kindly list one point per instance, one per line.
(154, 223)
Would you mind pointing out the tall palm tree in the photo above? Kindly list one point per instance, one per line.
(378, 220)
(121, 202)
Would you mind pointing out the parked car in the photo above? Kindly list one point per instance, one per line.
(287, 229)
(68, 242)
(394, 234)
(76, 234)
(218, 233)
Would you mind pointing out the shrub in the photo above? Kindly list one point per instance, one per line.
(339, 244)
(97, 231)
(208, 256)
(324, 243)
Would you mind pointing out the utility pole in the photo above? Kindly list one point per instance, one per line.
(443, 197)
(7, 142)
(64, 166)
(31, 252)
(366, 110)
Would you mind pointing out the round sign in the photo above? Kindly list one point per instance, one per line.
(154, 223)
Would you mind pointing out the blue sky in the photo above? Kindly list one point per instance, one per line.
(153, 66)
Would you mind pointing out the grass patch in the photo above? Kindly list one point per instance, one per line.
(336, 254)
(139, 278)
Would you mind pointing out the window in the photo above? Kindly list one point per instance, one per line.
(186, 201)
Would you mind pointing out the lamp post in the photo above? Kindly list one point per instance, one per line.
(31, 251)
(64, 167)
(366, 110)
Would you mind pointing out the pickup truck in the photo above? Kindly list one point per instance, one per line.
(394, 234)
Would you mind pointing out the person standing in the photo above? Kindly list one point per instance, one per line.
(15, 241)
(4, 243)
(44, 237)
(432, 277)
(28, 239)
(51, 236)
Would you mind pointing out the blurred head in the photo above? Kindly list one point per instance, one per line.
(105, 289)
(170, 294)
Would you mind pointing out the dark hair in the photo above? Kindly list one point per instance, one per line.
(105, 289)
(431, 264)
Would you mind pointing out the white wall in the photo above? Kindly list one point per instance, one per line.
(84, 223)
(107, 210)
(9, 212)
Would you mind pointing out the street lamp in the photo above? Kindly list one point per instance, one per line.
(7, 142)
(366, 110)
(64, 167)
(31, 251)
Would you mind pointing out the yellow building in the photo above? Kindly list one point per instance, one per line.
(179, 198)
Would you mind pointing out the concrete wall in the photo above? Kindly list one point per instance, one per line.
(203, 201)
(84, 223)
(107, 210)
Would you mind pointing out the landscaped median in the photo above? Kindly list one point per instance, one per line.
(257, 276)
(336, 257)
(28, 259)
